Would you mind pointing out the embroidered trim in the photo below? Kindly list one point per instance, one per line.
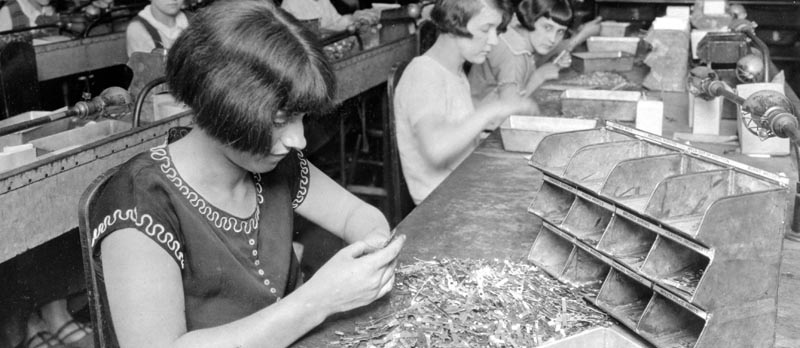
(223, 222)
(304, 180)
(151, 228)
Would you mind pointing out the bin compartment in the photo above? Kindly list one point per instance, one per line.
(591, 165)
(586, 221)
(624, 298)
(668, 325)
(551, 203)
(675, 266)
(627, 242)
(550, 252)
(632, 181)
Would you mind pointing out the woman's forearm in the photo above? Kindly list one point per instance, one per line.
(278, 325)
(363, 221)
(535, 81)
(442, 144)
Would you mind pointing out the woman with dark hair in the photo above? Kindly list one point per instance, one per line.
(194, 237)
(437, 124)
(520, 62)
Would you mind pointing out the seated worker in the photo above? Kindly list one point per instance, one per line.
(437, 125)
(330, 21)
(156, 26)
(194, 237)
(536, 30)
(26, 13)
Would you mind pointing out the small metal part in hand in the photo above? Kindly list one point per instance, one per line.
(390, 239)
(564, 59)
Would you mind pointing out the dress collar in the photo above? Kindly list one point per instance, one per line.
(516, 42)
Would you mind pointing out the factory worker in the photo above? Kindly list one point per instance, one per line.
(194, 237)
(156, 26)
(26, 13)
(517, 64)
(330, 20)
(437, 124)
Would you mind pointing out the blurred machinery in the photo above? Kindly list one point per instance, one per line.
(765, 114)
(83, 19)
(113, 103)
(778, 26)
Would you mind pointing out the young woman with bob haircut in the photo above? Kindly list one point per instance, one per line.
(194, 237)
(437, 124)
(520, 62)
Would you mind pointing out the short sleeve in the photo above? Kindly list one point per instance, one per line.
(137, 198)
(419, 93)
(295, 171)
(507, 67)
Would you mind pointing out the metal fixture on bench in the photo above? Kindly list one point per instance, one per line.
(113, 102)
(766, 114)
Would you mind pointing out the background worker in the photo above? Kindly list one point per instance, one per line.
(517, 65)
(26, 13)
(437, 124)
(330, 20)
(156, 26)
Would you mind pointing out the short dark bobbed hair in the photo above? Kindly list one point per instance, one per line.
(528, 11)
(241, 61)
(451, 16)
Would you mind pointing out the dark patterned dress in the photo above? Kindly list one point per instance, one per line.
(231, 266)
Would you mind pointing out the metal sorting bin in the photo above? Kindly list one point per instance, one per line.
(601, 337)
(684, 245)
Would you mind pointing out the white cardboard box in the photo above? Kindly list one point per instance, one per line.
(705, 115)
(650, 116)
(679, 11)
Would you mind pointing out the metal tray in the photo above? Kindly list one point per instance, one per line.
(612, 44)
(602, 104)
(601, 337)
(602, 61)
(523, 133)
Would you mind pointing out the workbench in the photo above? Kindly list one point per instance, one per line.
(38, 202)
(480, 212)
(65, 58)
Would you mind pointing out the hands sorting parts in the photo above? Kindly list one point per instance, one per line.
(390, 239)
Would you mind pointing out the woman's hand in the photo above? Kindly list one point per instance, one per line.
(507, 106)
(548, 71)
(368, 16)
(590, 28)
(356, 276)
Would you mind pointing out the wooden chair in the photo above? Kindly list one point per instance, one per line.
(95, 288)
(104, 335)
(426, 35)
(393, 193)
(401, 202)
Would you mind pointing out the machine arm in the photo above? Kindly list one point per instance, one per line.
(113, 102)
(765, 114)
